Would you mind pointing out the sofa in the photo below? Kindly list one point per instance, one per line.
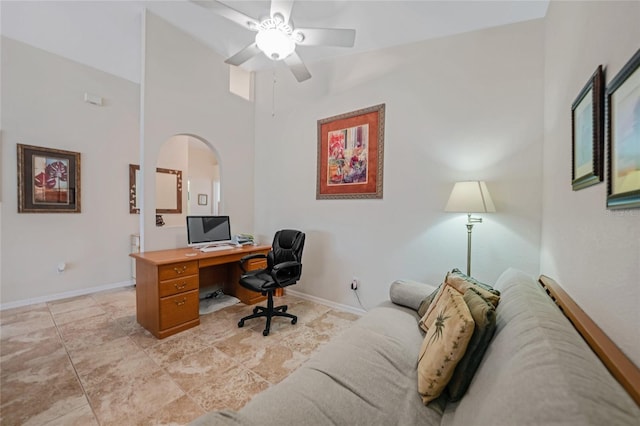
(536, 370)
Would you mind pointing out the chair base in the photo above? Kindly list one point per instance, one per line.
(269, 312)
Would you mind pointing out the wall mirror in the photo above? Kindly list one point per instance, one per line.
(168, 190)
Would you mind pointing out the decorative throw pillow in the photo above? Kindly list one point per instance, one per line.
(444, 344)
(484, 316)
(430, 314)
(424, 305)
(463, 285)
(459, 273)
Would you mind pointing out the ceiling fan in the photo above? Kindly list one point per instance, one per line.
(277, 37)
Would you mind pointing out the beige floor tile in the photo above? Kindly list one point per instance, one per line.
(179, 412)
(41, 393)
(118, 360)
(82, 416)
(22, 313)
(127, 402)
(176, 347)
(23, 321)
(90, 332)
(199, 368)
(30, 350)
(126, 376)
(231, 389)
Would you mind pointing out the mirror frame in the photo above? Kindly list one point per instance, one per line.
(133, 193)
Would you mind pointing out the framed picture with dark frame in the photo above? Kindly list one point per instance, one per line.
(48, 180)
(587, 133)
(351, 155)
(623, 137)
(202, 199)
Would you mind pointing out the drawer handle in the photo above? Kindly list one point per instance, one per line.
(181, 302)
(180, 286)
(180, 271)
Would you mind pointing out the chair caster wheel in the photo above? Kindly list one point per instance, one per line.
(256, 310)
(295, 320)
(265, 333)
(284, 309)
(241, 323)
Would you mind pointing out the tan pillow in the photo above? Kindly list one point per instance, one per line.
(444, 344)
(463, 285)
(428, 315)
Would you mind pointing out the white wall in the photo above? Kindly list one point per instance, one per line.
(43, 105)
(458, 108)
(186, 91)
(593, 252)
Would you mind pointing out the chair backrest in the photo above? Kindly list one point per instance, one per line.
(287, 245)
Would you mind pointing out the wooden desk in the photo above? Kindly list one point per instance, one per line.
(167, 284)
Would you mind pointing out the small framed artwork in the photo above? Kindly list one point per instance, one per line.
(202, 199)
(623, 137)
(351, 155)
(48, 180)
(587, 133)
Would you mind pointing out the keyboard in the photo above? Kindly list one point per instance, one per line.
(214, 248)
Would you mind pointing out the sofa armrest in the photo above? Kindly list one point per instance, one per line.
(409, 293)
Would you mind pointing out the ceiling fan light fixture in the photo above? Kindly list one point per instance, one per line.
(274, 39)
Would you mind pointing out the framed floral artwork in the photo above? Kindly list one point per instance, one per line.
(351, 155)
(623, 137)
(48, 180)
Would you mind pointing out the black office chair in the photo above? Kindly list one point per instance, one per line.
(284, 267)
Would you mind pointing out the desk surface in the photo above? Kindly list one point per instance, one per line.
(163, 257)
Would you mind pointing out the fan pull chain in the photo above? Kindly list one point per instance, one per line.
(273, 96)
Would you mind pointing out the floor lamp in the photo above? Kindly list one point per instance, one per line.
(470, 197)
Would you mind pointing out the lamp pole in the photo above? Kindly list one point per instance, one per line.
(470, 222)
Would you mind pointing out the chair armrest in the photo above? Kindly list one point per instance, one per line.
(249, 257)
(409, 293)
(284, 267)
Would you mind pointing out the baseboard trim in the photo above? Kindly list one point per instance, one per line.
(65, 295)
(338, 306)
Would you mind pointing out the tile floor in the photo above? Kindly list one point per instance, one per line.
(86, 361)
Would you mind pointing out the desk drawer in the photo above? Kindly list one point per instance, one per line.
(179, 285)
(255, 264)
(177, 270)
(175, 310)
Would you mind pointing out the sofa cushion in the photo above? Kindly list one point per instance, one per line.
(538, 370)
(444, 344)
(484, 317)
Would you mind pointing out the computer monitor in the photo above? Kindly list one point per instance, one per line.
(208, 231)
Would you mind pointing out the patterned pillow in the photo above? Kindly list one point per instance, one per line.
(484, 316)
(459, 273)
(430, 314)
(444, 344)
(462, 285)
(424, 305)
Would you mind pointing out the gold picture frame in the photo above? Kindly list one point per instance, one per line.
(351, 155)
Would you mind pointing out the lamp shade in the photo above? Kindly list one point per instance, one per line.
(470, 197)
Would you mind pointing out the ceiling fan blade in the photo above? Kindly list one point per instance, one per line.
(230, 13)
(244, 55)
(326, 37)
(283, 7)
(297, 67)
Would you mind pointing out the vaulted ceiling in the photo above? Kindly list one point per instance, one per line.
(107, 34)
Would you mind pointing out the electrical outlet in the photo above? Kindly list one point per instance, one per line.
(355, 283)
